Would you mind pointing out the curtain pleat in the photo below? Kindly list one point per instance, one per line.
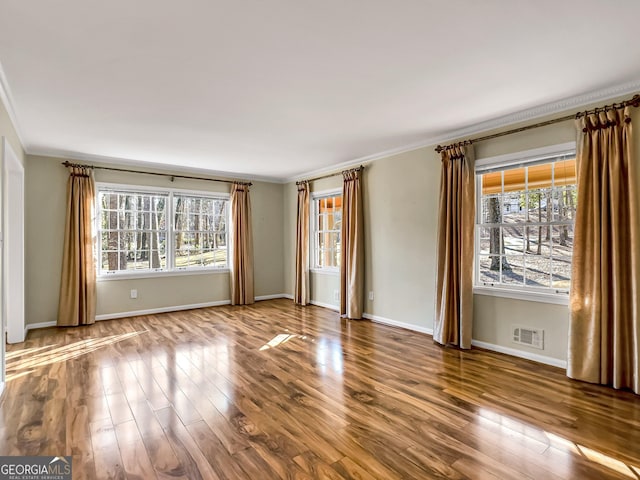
(604, 333)
(352, 247)
(77, 303)
(301, 294)
(454, 295)
(241, 246)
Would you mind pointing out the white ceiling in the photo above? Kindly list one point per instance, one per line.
(281, 88)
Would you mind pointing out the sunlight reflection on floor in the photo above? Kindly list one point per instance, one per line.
(18, 367)
(528, 433)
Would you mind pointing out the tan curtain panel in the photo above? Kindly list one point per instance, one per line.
(241, 246)
(77, 304)
(301, 294)
(604, 333)
(454, 294)
(352, 247)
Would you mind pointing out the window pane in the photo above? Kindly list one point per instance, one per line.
(514, 179)
(491, 209)
(563, 239)
(539, 176)
(564, 172)
(538, 240)
(489, 268)
(337, 216)
(564, 200)
(491, 183)
(329, 221)
(513, 207)
(539, 205)
(513, 240)
(561, 269)
(538, 272)
(334, 239)
(513, 270)
(321, 257)
(221, 240)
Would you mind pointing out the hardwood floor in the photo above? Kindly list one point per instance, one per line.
(278, 391)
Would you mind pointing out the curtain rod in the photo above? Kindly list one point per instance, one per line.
(171, 176)
(329, 175)
(633, 102)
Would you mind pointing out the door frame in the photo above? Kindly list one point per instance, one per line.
(13, 245)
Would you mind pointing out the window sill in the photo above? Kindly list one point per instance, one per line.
(325, 271)
(541, 297)
(170, 273)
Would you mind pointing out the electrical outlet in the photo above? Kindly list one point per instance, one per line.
(371, 295)
(134, 293)
(336, 294)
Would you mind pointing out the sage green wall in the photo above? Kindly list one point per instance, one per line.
(46, 181)
(289, 207)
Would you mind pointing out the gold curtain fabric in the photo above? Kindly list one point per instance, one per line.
(604, 333)
(301, 294)
(241, 246)
(77, 304)
(454, 295)
(352, 247)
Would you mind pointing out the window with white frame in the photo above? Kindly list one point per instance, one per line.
(140, 230)
(524, 222)
(200, 231)
(325, 231)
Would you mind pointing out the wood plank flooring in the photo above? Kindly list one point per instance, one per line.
(278, 391)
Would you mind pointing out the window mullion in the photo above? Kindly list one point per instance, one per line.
(169, 227)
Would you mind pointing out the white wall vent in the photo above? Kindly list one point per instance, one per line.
(532, 337)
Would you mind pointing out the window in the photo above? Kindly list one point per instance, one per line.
(325, 231)
(142, 231)
(200, 231)
(524, 222)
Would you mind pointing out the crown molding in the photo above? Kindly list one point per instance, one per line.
(6, 98)
(559, 106)
(164, 167)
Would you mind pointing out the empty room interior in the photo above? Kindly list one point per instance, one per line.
(343, 240)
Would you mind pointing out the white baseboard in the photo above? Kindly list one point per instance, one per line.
(476, 343)
(35, 326)
(151, 311)
(325, 305)
(259, 298)
(521, 354)
(287, 295)
(395, 323)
